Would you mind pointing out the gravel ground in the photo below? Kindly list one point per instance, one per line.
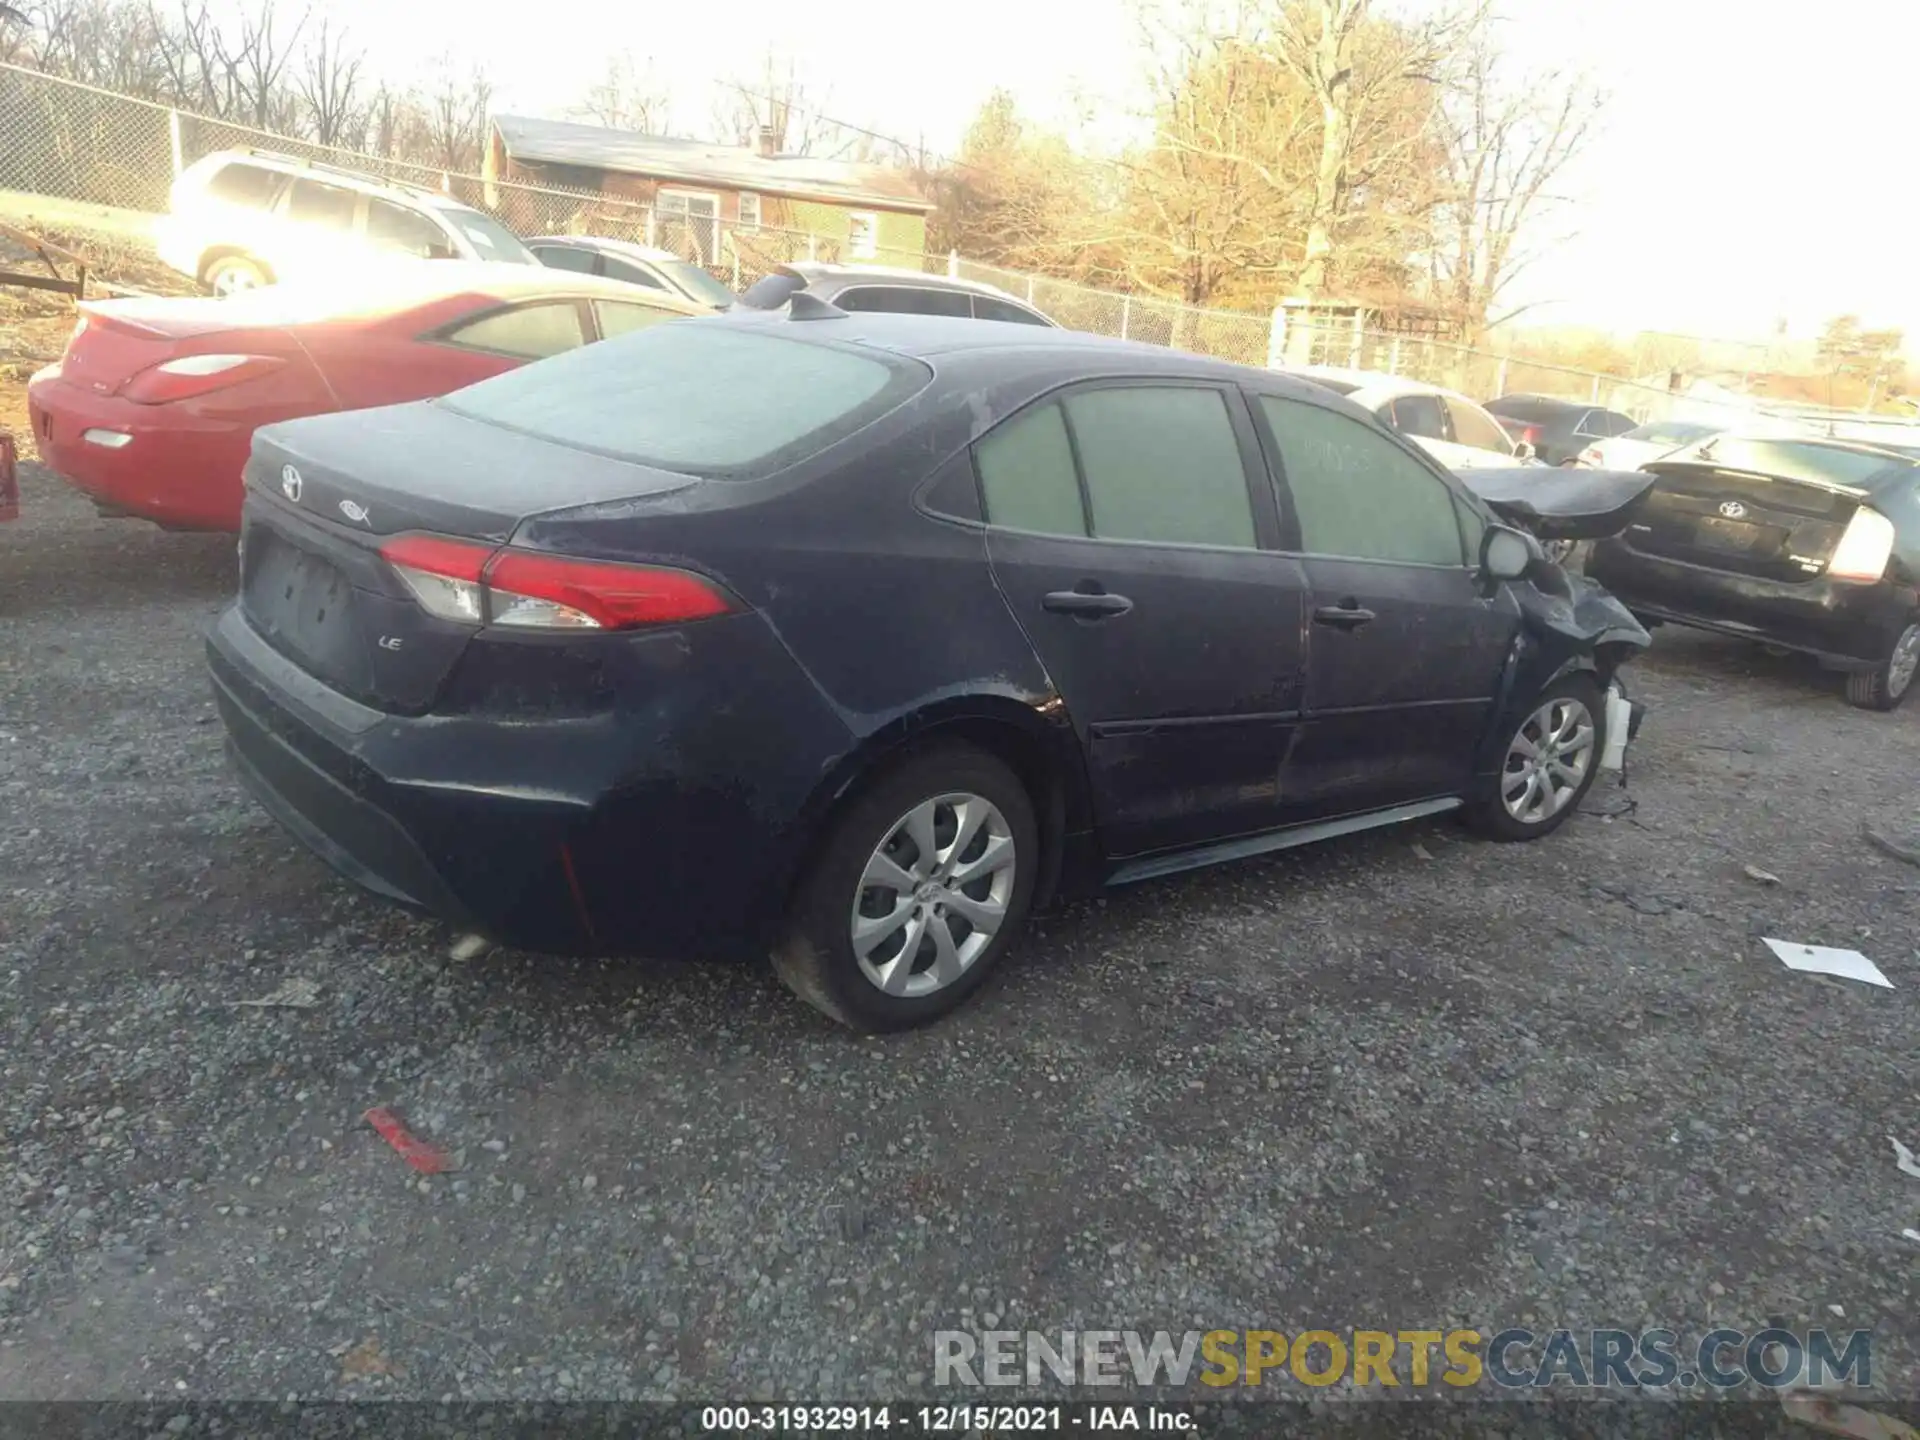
(1404, 1080)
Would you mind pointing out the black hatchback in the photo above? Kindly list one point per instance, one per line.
(1812, 545)
(850, 638)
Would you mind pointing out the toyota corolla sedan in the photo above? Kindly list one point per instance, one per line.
(849, 638)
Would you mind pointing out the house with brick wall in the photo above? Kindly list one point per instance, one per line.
(700, 191)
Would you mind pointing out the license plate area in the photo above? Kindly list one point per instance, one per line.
(304, 606)
(1735, 537)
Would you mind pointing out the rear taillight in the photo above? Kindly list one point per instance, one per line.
(193, 375)
(1592, 456)
(1864, 549)
(475, 585)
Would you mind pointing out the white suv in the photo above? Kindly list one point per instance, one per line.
(244, 218)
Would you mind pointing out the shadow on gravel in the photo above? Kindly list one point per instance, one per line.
(113, 565)
(1719, 659)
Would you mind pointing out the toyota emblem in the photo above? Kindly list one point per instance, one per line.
(1733, 509)
(290, 483)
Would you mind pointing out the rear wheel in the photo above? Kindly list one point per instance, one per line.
(915, 892)
(1551, 760)
(233, 274)
(1885, 687)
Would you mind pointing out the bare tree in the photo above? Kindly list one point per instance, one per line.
(1869, 358)
(1509, 141)
(456, 115)
(775, 100)
(629, 96)
(328, 83)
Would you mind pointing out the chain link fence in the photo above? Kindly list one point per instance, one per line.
(63, 139)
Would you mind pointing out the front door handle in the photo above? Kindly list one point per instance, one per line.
(1087, 602)
(1347, 615)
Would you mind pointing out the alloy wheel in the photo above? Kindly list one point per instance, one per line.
(933, 895)
(1547, 761)
(1904, 662)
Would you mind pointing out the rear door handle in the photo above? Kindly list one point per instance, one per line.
(1088, 604)
(1345, 616)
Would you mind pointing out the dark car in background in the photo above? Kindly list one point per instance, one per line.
(1558, 430)
(875, 288)
(636, 264)
(849, 638)
(1812, 545)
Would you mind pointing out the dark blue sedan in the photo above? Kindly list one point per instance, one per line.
(851, 638)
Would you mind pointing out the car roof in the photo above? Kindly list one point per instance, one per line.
(814, 271)
(1377, 384)
(1545, 404)
(630, 248)
(929, 338)
(399, 191)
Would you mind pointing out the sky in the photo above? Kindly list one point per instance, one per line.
(1753, 166)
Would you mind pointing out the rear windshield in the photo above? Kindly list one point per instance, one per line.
(1860, 468)
(770, 292)
(697, 397)
(1671, 432)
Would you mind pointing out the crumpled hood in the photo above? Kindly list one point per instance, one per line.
(1557, 503)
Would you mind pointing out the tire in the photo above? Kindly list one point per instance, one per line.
(232, 274)
(1490, 812)
(1885, 687)
(869, 992)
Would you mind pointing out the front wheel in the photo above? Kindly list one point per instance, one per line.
(915, 892)
(1885, 687)
(235, 275)
(1551, 760)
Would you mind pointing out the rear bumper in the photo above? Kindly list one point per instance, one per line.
(1850, 626)
(660, 830)
(178, 468)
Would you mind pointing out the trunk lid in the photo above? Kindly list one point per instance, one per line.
(116, 341)
(1561, 504)
(1768, 526)
(323, 492)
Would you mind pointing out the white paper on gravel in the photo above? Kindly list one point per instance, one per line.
(1824, 960)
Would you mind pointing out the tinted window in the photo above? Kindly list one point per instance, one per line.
(1338, 387)
(1671, 432)
(632, 274)
(1357, 493)
(1473, 426)
(1421, 415)
(326, 207)
(532, 332)
(1610, 423)
(985, 307)
(1162, 464)
(564, 257)
(670, 397)
(617, 317)
(1027, 479)
(391, 227)
(905, 300)
(243, 184)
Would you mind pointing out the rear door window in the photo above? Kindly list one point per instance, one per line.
(632, 274)
(564, 257)
(407, 232)
(238, 183)
(985, 307)
(906, 300)
(529, 332)
(1162, 463)
(320, 206)
(1421, 415)
(1027, 476)
(619, 317)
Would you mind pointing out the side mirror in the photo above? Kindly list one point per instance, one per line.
(1523, 451)
(1507, 554)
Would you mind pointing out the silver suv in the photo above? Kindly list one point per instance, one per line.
(243, 218)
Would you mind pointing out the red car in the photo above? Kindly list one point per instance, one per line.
(152, 409)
